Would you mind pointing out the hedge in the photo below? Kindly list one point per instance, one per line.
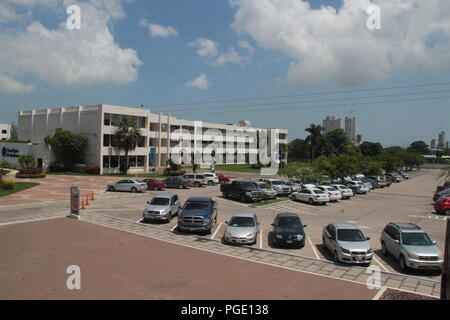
(30, 176)
(168, 172)
(7, 184)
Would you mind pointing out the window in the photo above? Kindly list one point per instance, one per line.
(106, 140)
(114, 162)
(141, 142)
(107, 119)
(132, 161)
(115, 120)
(4, 131)
(113, 141)
(140, 161)
(105, 161)
(141, 122)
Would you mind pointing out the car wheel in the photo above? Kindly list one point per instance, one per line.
(447, 212)
(210, 183)
(197, 184)
(383, 249)
(311, 201)
(243, 199)
(180, 186)
(111, 189)
(403, 265)
(133, 190)
(225, 195)
(335, 256)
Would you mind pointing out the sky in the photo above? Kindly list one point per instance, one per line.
(278, 63)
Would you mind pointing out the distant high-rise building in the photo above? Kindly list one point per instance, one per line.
(347, 124)
(358, 139)
(446, 145)
(433, 144)
(441, 140)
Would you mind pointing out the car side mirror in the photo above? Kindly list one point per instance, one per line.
(397, 241)
(226, 222)
(368, 238)
(434, 242)
(304, 226)
(148, 202)
(272, 224)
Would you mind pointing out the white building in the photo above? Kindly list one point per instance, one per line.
(5, 131)
(347, 124)
(159, 135)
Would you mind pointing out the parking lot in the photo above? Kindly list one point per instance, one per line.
(408, 201)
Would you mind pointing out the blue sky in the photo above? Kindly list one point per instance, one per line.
(250, 49)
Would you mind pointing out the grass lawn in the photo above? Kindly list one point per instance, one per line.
(19, 186)
(236, 168)
(265, 203)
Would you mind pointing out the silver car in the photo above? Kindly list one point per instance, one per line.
(243, 228)
(347, 243)
(411, 246)
(162, 207)
(130, 185)
(267, 190)
(346, 193)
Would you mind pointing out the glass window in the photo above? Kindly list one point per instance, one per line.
(114, 162)
(140, 161)
(142, 122)
(245, 222)
(352, 235)
(107, 119)
(106, 140)
(115, 120)
(4, 131)
(132, 161)
(105, 161)
(141, 142)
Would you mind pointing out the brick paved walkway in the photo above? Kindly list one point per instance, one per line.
(291, 261)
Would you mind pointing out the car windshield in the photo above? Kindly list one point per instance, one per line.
(160, 201)
(199, 206)
(277, 183)
(289, 222)
(264, 186)
(352, 235)
(318, 191)
(242, 222)
(250, 185)
(416, 239)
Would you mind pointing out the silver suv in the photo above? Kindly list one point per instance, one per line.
(411, 246)
(162, 207)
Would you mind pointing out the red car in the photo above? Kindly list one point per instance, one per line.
(442, 206)
(443, 187)
(223, 178)
(154, 184)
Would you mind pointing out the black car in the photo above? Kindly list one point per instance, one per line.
(288, 230)
(178, 182)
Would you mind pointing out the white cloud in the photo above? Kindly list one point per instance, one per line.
(205, 47)
(246, 46)
(326, 44)
(201, 82)
(156, 30)
(9, 85)
(231, 56)
(7, 13)
(63, 56)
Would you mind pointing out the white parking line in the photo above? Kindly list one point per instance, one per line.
(314, 248)
(217, 230)
(139, 220)
(261, 239)
(379, 263)
(173, 228)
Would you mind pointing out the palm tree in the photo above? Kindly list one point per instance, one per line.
(127, 137)
(314, 137)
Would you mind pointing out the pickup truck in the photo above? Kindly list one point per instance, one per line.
(198, 215)
(245, 191)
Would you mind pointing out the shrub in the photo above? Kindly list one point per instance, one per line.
(5, 164)
(30, 171)
(27, 161)
(169, 172)
(30, 176)
(92, 169)
(80, 168)
(7, 184)
(58, 167)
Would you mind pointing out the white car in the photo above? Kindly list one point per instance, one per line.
(130, 185)
(279, 186)
(309, 186)
(333, 193)
(358, 187)
(312, 196)
(211, 178)
(346, 193)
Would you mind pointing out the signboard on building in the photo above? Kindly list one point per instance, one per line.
(10, 152)
(74, 200)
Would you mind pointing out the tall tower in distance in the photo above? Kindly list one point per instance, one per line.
(347, 124)
(441, 140)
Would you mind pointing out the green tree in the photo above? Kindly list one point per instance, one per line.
(27, 161)
(370, 149)
(67, 147)
(314, 138)
(334, 142)
(419, 147)
(298, 150)
(126, 139)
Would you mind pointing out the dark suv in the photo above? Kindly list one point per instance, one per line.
(198, 214)
(288, 230)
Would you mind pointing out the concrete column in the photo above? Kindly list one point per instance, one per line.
(158, 155)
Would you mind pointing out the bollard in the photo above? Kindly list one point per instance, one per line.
(93, 196)
(87, 199)
(83, 205)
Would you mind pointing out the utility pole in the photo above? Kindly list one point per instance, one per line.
(445, 281)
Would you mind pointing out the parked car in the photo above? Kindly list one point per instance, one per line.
(223, 178)
(154, 184)
(381, 181)
(395, 177)
(294, 186)
(211, 178)
(405, 175)
(267, 191)
(333, 193)
(178, 182)
(371, 183)
(197, 180)
(389, 180)
(279, 186)
(288, 230)
(245, 191)
(199, 214)
(442, 205)
(346, 192)
(411, 246)
(445, 186)
(243, 228)
(312, 196)
(443, 193)
(347, 243)
(358, 187)
(162, 207)
(130, 185)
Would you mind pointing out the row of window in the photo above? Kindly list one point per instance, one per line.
(115, 161)
(112, 119)
(110, 141)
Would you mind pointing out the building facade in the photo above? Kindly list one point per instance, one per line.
(5, 131)
(441, 140)
(347, 124)
(161, 135)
